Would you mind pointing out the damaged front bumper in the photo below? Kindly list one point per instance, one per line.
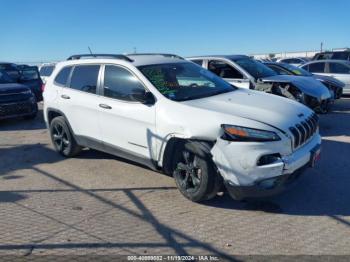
(246, 177)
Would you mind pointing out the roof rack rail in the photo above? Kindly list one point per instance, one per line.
(161, 54)
(111, 56)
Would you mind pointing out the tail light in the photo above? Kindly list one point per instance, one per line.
(42, 87)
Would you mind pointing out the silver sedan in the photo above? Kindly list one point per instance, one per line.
(339, 69)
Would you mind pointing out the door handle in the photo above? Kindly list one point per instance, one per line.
(104, 106)
(65, 97)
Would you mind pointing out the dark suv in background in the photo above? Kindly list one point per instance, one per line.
(26, 75)
(333, 55)
(11, 69)
(30, 77)
(16, 100)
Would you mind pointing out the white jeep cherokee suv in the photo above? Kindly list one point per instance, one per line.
(172, 115)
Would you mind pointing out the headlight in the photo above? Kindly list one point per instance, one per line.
(239, 133)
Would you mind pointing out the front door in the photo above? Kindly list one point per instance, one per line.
(127, 126)
(228, 73)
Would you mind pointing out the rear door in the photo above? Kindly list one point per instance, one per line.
(340, 72)
(79, 101)
(316, 68)
(127, 126)
(228, 73)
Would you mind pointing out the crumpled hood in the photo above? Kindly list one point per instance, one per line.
(269, 109)
(307, 85)
(330, 80)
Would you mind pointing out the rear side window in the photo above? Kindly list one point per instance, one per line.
(63, 75)
(341, 55)
(198, 61)
(120, 84)
(316, 67)
(84, 78)
(337, 68)
(46, 70)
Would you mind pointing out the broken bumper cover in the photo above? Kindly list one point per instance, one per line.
(245, 178)
(265, 188)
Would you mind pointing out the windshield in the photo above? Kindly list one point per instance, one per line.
(254, 68)
(5, 78)
(296, 70)
(185, 81)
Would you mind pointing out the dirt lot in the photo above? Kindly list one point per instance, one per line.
(99, 204)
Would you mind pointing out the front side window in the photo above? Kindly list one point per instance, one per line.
(63, 75)
(185, 81)
(224, 70)
(337, 68)
(84, 78)
(254, 68)
(120, 84)
(316, 67)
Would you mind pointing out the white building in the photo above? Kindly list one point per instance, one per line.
(309, 54)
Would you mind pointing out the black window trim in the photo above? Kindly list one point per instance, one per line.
(101, 86)
(98, 78)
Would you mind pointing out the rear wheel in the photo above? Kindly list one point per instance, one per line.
(62, 138)
(195, 173)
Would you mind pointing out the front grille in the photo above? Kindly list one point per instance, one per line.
(15, 109)
(304, 130)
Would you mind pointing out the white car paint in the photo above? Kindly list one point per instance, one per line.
(144, 130)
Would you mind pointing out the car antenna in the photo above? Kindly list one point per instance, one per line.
(90, 50)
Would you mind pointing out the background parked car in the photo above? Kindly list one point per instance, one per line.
(335, 86)
(339, 69)
(245, 72)
(333, 55)
(46, 70)
(16, 100)
(11, 69)
(29, 76)
(293, 61)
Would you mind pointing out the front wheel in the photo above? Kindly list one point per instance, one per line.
(195, 173)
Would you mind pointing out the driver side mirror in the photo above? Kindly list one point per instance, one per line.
(143, 97)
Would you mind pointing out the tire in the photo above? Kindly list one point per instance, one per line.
(195, 173)
(62, 138)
